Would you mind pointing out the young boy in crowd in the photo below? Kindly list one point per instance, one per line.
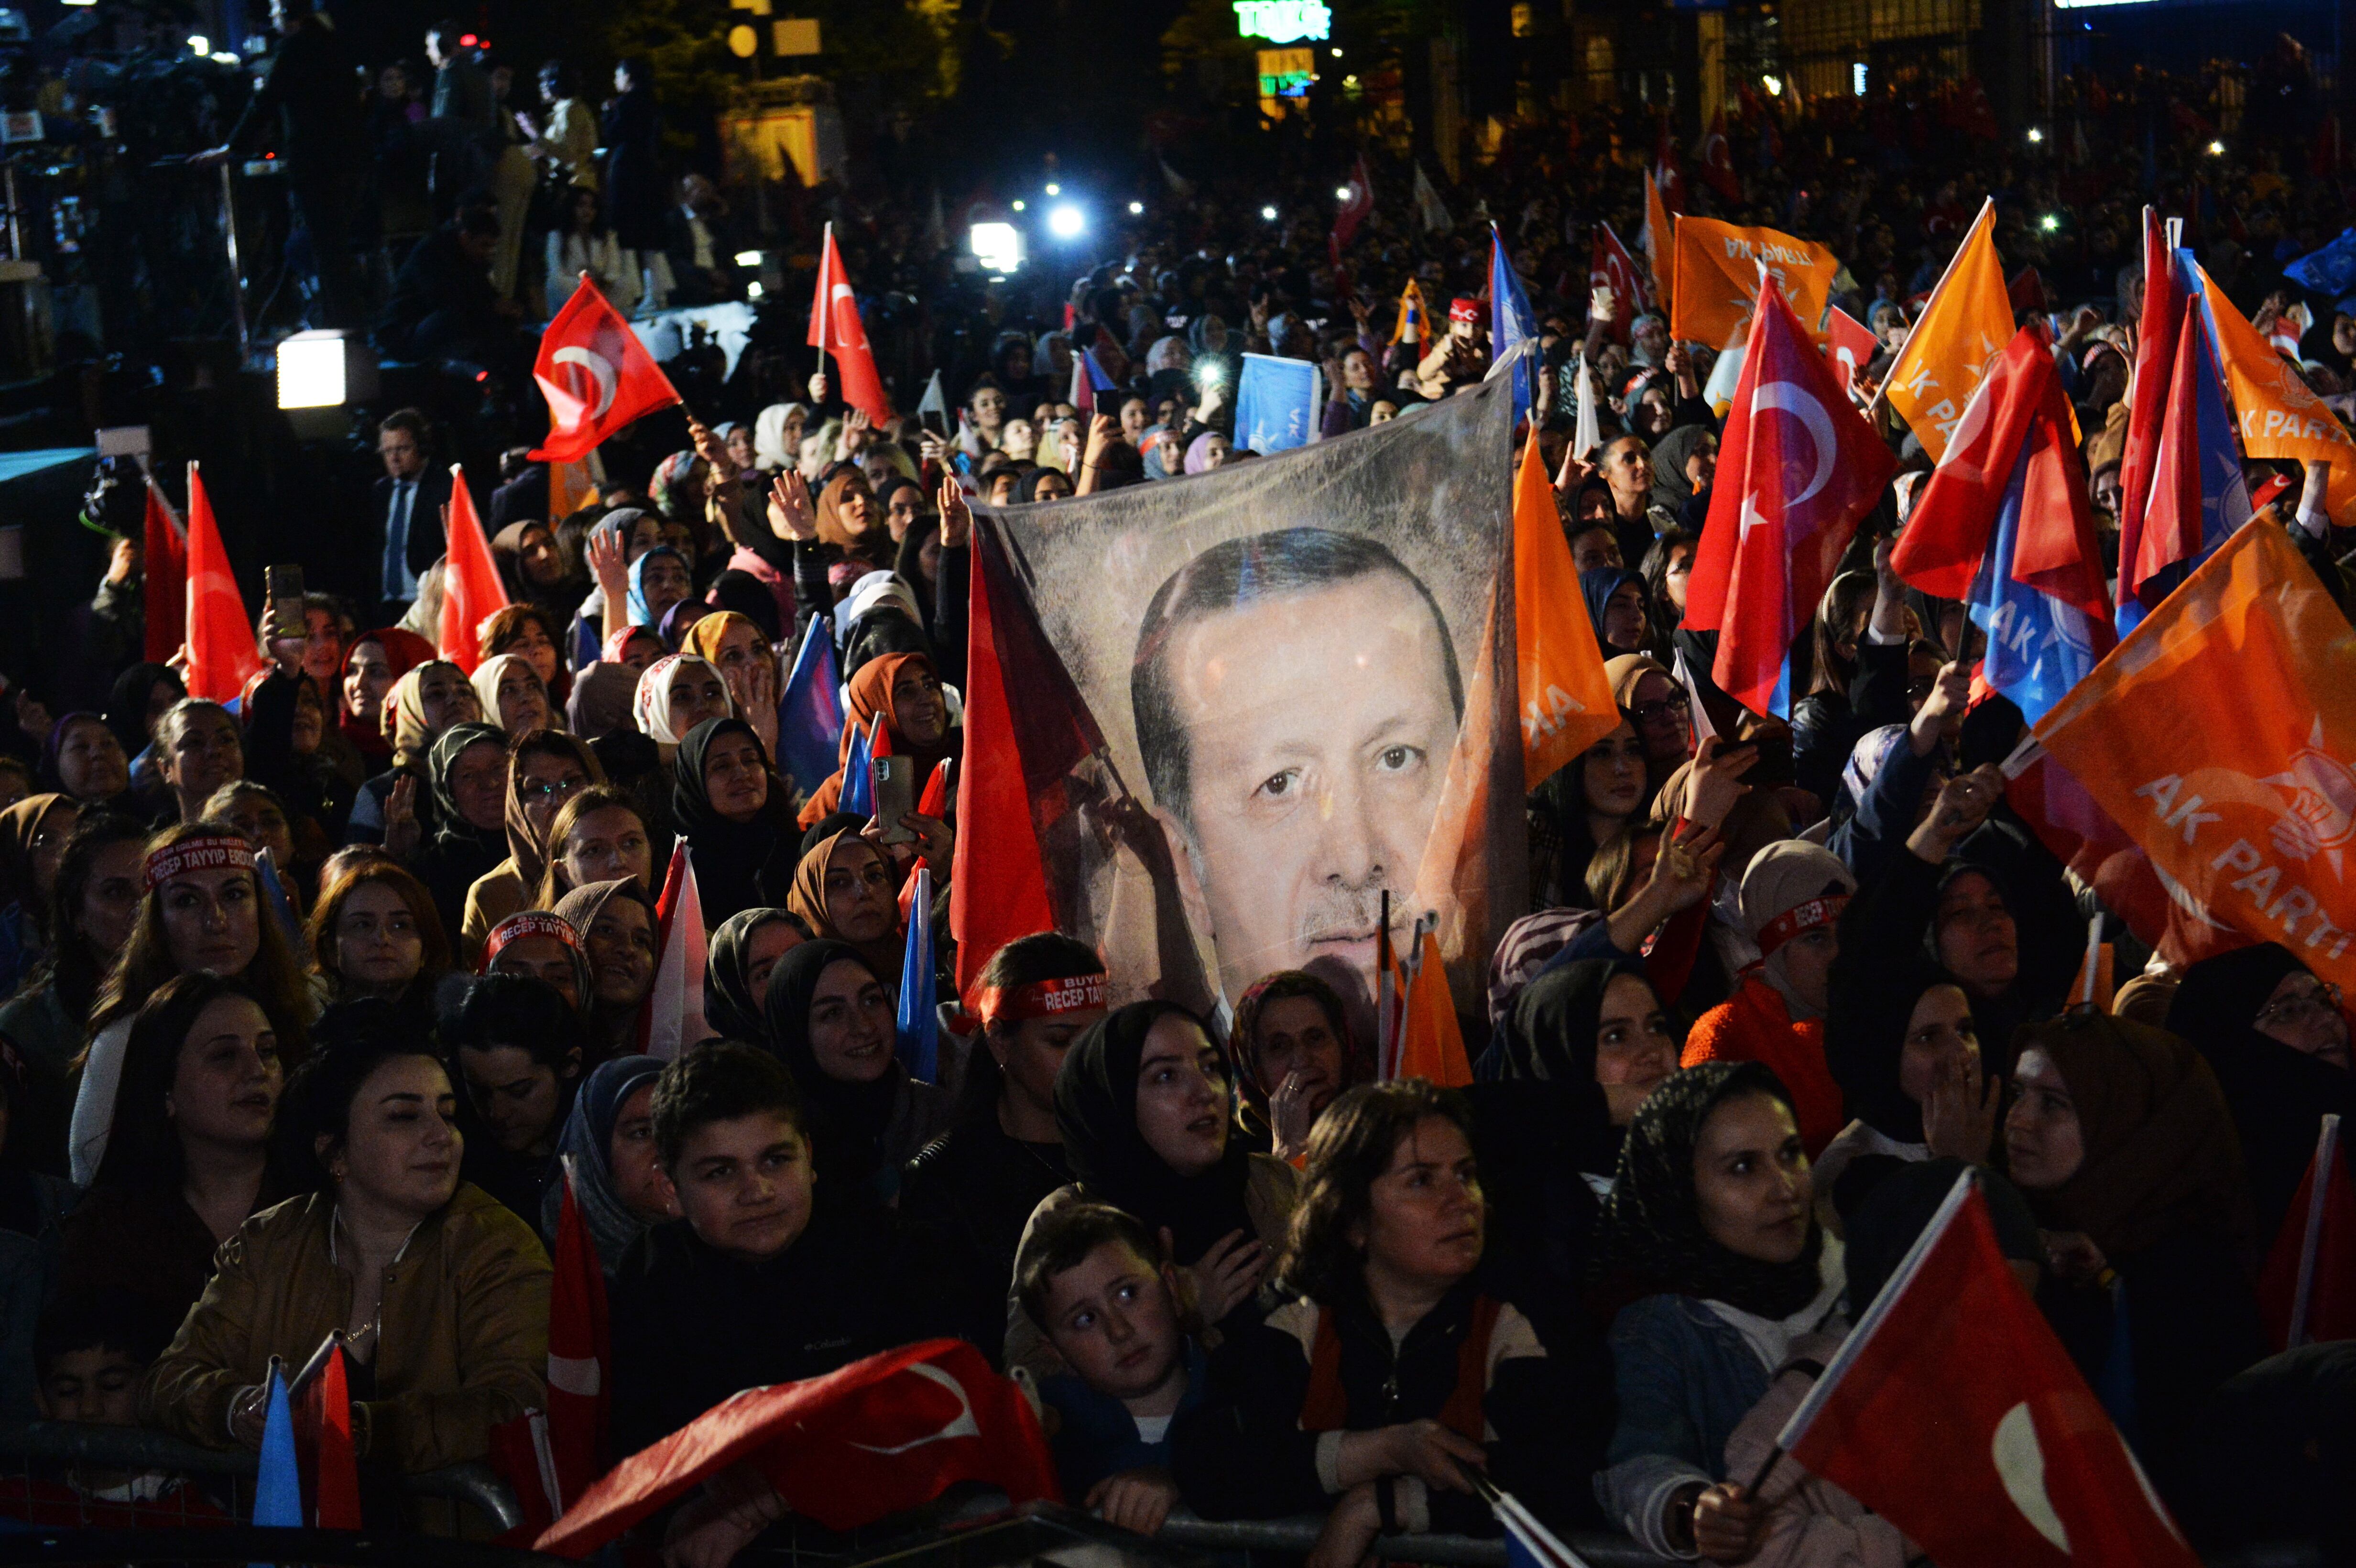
(89, 1355)
(751, 1286)
(1097, 1290)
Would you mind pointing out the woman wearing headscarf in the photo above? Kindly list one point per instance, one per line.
(849, 519)
(544, 770)
(1645, 689)
(677, 692)
(1710, 1230)
(1792, 899)
(659, 580)
(635, 531)
(33, 834)
(620, 931)
(845, 890)
(728, 806)
(469, 769)
(1618, 605)
(512, 696)
(541, 944)
(2122, 1140)
(2277, 1042)
(736, 646)
(1900, 1041)
(531, 567)
(1141, 1102)
(423, 703)
(778, 436)
(602, 701)
(607, 1149)
(829, 1017)
(1677, 489)
(744, 949)
(903, 690)
(373, 664)
(1292, 1054)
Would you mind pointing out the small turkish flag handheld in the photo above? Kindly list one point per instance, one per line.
(1613, 267)
(597, 375)
(221, 653)
(471, 590)
(877, 1437)
(1851, 344)
(579, 1352)
(672, 1019)
(1799, 468)
(835, 327)
(163, 577)
(2308, 1291)
(337, 1491)
(2022, 1465)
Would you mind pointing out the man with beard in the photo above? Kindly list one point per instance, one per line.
(1296, 696)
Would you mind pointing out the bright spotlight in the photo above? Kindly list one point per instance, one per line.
(997, 246)
(748, 258)
(1137, 209)
(1055, 190)
(1340, 193)
(1018, 206)
(2050, 222)
(1269, 213)
(199, 44)
(1775, 85)
(2216, 149)
(2035, 135)
(1066, 222)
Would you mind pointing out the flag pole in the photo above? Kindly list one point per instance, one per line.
(1383, 986)
(1988, 211)
(2327, 1154)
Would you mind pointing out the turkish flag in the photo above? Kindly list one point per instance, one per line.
(472, 591)
(1613, 268)
(1954, 1413)
(580, 1355)
(163, 578)
(1851, 345)
(222, 652)
(1717, 161)
(2158, 331)
(1797, 469)
(877, 1437)
(2307, 1290)
(835, 327)
(324, 1445)
(597, 375)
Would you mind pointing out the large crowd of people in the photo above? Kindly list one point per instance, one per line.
(319, 1001)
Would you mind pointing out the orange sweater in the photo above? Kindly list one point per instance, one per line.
(1754, 1025)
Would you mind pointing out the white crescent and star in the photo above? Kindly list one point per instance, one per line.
(2020, 1466)
(962, 1425)
(600, 369)
(1790, 397)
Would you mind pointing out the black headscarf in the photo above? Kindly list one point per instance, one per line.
(749, 597)
(728, 855)
(453, 833)
(847, 1120)
(730, 1008)
(126, 704)
(2279, 1094)
(1652, 1230)
(1865, 1034)
(1598, 586)
(1096, 1112)
(1549, 1038)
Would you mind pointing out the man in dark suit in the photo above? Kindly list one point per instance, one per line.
(408, 502)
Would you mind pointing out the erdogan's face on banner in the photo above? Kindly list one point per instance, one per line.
(1297, 697)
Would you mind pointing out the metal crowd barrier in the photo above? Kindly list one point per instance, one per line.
(24, 1444)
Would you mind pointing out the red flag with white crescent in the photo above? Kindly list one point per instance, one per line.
(835, 328)
(223, 653)
(597, 375)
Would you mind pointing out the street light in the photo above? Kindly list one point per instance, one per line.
(1269, 213)
(2050, 222)
(1066, 222)
(1137, 209)
(1055, 190)
(2216, 149)
(2035, 135)
(1340, 193)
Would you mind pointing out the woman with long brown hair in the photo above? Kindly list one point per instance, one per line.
(202, 912)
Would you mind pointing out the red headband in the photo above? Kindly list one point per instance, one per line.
(211, 852)
(1039, 999)
(1464, 310)
(530, 923)
(1801, 917)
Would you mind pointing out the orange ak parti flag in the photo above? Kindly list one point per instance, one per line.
(1421, 1036)
(1961, 331)
(1656, 241)
(472, 591)
(1567, 704)
(2275, 413)
(1716, 279)
(2219, 735)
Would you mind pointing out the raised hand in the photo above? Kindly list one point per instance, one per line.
(792, 518)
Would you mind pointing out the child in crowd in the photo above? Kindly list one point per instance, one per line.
(1097, 1287)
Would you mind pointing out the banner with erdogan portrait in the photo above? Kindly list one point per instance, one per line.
(1212, 722)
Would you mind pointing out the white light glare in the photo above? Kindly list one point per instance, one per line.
(2050, 222)
(2216, 149)
(1774, 84)
(2035, 135)
(1066, 222)
(1340, 193)
(311, 370)
(748, 258)
(998, 246)
(199, 44)
(1137, 209)
(1269, 213)
(1055, 190)
(1018, 206)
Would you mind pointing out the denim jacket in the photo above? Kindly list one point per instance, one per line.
(1685, 1379)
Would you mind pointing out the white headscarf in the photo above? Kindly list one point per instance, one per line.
(872, 593)
(651, 706)
(488, 675)
(769, 436)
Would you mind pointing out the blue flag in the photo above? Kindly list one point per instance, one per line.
(859, 772)
(265, 868)
(2330, 271)
(1511, 320)
(2038, 647)
(920, 1024)
(278, 1489)
(810, 714)
(1276, 404)
(2225, 490)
